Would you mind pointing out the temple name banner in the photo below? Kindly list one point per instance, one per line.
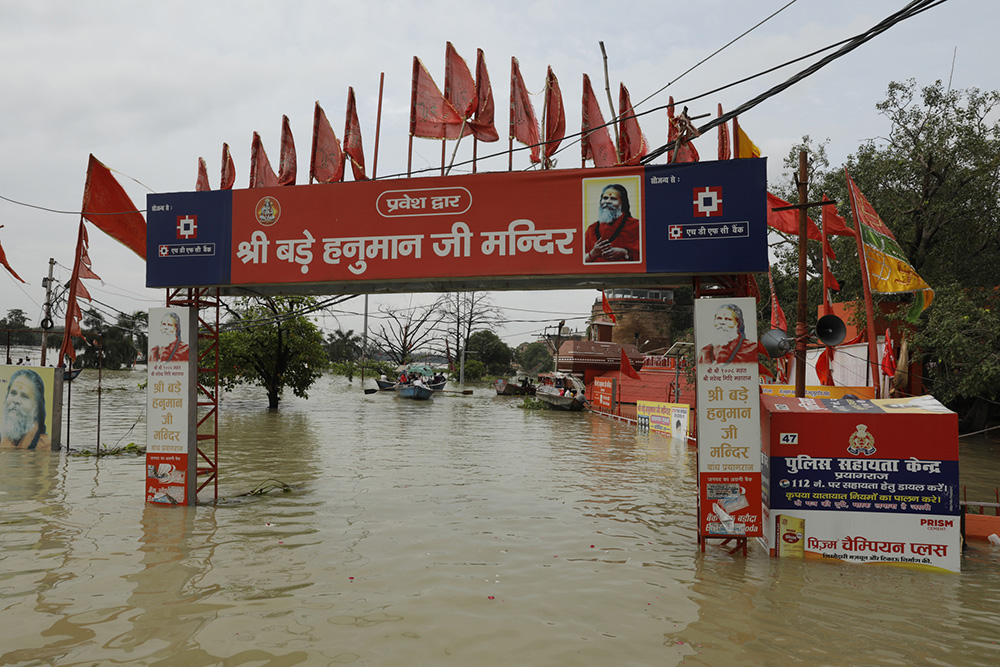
(728, 409)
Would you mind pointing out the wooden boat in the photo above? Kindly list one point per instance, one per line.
(513, 387)
(561, 391)
(386, 385)
(71, 373)
(414, 391)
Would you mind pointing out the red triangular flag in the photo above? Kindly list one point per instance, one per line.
(3, 261)
(824, 365)
(261, 174)
(482, 125)
(106, 205)
(834, 224)
(632, 142)
(725, 152)
(287, 165)
(523, 124)
(459, 90)
(326, 162)
(81, 269)
(352, 139)
(778, 320)
(596, 144)
(606, 307)
(555, 116)
(788, 221)
(201, 185)
(888, 357)
(626, 367)
(431, 115)
(686, 152)
(228, 169)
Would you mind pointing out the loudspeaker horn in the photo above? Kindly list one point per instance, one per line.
(777, 343)
(831, 330)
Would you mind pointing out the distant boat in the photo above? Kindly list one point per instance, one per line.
(389, 385)
(513, 387)
(71, 373)
(414, 391)
(561, 391)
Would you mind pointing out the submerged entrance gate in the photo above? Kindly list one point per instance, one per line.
(654, 227)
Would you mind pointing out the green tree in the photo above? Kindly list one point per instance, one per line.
(111, 346)
(933, 181)
(493, 353)
(343, 346)
(272, 344)
(535, 358)
(17, 322)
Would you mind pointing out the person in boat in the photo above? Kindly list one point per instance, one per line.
(729, 339)
(23, 424)
(615, 235)
(419, 381)
(172, 347)
(437, 379)
(383, 378)
(402, 378)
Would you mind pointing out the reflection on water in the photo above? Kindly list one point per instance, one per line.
(458, 531)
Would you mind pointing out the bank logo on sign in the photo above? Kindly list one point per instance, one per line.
(707, 202)
(675, 232)
(187, 227)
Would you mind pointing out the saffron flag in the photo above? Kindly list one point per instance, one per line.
(81, 269)
(523, 123)
(228, 169)
(108, 208)
(834, 224)
(261, 174)
(824, 367)
(830, 221)
(626, 367)
(352, 138)
(201, 185)
(889, 270)
(326, 160)
(606, 307)
(632, 145)
(888, 357)
(3, 261)
(431, 115)
(742, 146)
(685, 150)
(460, 91)
(724, 151)
(483, 127)
(555, 116)
(778, 320)
(596, 144)
(286, 165)
(788, 221)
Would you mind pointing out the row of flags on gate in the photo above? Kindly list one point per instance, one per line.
(466, 108)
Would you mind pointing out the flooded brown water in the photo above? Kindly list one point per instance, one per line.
(461, 531)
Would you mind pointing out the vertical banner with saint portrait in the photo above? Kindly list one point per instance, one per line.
(729, 469)
(171, 410)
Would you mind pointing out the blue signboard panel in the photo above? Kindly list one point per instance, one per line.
(188, 237)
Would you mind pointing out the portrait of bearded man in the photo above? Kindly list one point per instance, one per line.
(23, 425)
(615, 235)
(728, 338)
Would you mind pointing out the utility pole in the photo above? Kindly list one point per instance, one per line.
(47, 320)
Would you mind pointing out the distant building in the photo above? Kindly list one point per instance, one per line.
(645, 319)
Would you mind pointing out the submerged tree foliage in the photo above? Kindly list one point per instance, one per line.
(934, 182)
(269, 342)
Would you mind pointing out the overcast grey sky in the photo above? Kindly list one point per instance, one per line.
(148, 88)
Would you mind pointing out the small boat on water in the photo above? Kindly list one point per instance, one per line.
(390, 385)
(414, 391)
(561, 391)
(514, 387)
(70, 373)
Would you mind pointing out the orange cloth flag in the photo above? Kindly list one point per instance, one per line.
(788, 221)
(483, 127)
(555, 115)
(596, 144)
(352, 138)
(201, 185)
(261, 173)
(632, 145)
(460, 91)
(3, 261)
(626, 367)
(686, 152)
(326, 161)
(287, 165)
(106, 205)
(606, 307)
(228, 169)
(431, 115)
(81, 269)
(523, 123)
(724, 152)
